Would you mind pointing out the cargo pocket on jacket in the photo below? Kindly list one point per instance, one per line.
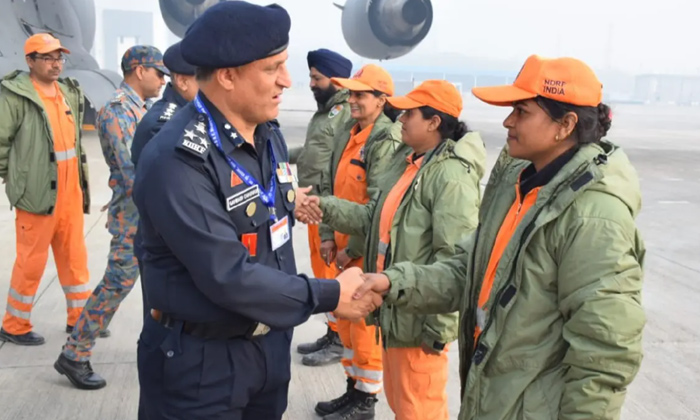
(535, 405)
(406, 327)
(16, 186)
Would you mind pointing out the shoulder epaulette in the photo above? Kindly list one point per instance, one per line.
(168, 112)
(118, 99)
(194, 139)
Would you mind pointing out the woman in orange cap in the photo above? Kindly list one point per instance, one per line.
(429, 197)
(361, 152)
(549, 286)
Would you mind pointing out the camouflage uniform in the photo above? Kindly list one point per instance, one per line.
(116, 124)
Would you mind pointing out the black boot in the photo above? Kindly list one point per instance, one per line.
(329, 407)
(29, 339)
(330, 354)
(79, 373)
(360, 407)
(317, 345)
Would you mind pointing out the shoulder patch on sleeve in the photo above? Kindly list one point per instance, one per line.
(168, 112)
(194, 140)
(335, 111)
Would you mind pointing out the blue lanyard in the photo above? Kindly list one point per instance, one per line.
(268, 198)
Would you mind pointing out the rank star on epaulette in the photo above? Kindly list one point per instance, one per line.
(200, 127)
(168, 112)
(194, 142)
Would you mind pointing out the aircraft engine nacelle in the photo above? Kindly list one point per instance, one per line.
(179, 14)
(385, 29)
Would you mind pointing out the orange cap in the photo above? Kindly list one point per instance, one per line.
(438, 94)
(42, 44)
(565, 80)
(369, 78)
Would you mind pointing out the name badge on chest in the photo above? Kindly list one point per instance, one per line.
(279, 233)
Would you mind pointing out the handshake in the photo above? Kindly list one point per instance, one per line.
(308, 208)
(360, 293)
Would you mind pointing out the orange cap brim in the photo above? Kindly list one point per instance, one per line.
(52, 49)
(403, 102)
(351, 84)
(502, 95)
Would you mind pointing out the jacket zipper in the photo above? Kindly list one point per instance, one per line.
(528, 230)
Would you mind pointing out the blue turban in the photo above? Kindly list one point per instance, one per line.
(329, 63)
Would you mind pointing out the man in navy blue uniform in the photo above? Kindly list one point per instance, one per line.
(216, 200)
(181, 90)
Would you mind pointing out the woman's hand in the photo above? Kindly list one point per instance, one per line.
(308, 208)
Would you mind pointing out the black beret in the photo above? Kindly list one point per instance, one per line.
(234, 33)
(174, 61)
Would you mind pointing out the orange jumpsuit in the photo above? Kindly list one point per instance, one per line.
(62, 230)
(415, 382)
(319, 267)
(362, 355)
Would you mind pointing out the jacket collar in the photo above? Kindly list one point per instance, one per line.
(530, 178)
(340, 97)
(583, 170)
(131, 94)
(228, 133)
(171, 95)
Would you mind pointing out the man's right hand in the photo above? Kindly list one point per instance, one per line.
(328, 251)
(350, 307)
(307, 207)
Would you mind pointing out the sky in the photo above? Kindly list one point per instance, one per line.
(635, 36)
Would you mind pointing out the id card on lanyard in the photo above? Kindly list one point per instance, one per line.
(279, 231)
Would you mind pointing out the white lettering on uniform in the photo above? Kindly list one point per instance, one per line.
(242, 197)
(194, 146)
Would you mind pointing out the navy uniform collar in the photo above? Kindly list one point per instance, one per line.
(171, 95)
(228, 131)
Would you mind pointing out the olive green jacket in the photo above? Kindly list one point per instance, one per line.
(27, 160)
(314, 157)
(562, 330)
(379, 149)
(440, 207)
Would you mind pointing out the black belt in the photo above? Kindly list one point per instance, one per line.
(212, 330)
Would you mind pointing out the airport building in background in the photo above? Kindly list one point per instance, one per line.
(121, 24)
(667, 89)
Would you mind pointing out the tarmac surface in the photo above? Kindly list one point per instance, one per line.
(662, 143)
